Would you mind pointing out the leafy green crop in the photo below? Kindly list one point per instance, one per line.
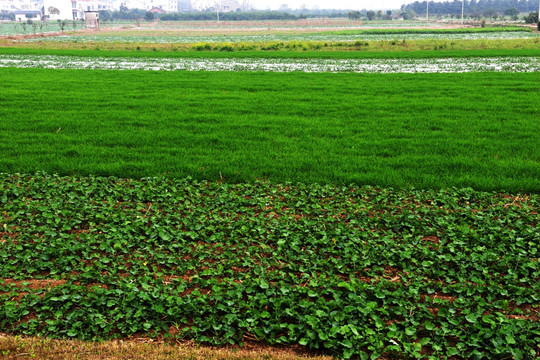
(333, 54)
(477, 30)
(352, 271)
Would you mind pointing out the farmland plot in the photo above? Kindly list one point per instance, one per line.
(399, 130)
(352, 270)
(346, 268)
(283, 38)
(434, 65)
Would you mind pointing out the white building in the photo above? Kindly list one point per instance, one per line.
(229, 5)
(25, 15)
(222, 5)
(93, 5)
(165, 5)
(201, 5)
(16, 5)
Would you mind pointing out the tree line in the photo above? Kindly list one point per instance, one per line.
(475, 8)
(132, 14)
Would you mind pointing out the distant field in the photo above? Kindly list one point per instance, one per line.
(350, 36)
(400, 130)
(433, 32)
(269, 44)
(16, 28)
(398, 52)
(514, 64)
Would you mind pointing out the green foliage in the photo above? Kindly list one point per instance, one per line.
(422, 130)
(513, 12)
(351, 271)
(354, 15)
(428, 31)
(408, 14)
(491, 13)
(532, 18)
(6, 15)
(253, 15)
(473, 7)
(249, 50)
(62, 24)
(106, 15)
(149, 16)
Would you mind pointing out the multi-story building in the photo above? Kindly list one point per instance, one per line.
(20, 5)
(184, 5)
(222, 5)
(74, 9)
(93, 5)
(229, 5)
(165, 5)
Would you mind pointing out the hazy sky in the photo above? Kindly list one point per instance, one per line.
(332, 4)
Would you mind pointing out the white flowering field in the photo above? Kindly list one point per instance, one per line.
(437, 65)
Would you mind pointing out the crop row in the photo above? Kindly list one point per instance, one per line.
(285, 37)
(477, 30)
(14, 28)
(445, 65)
(349, 270)
(422, 130)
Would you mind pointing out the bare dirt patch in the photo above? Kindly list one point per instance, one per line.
(33, 284)
(138, 349)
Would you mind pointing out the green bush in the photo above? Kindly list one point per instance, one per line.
(531, 18)
(202, 47)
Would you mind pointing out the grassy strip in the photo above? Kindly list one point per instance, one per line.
(477, 30)
(273, 54)
(347, 270)
(16, 347)
(381, 48)
(399, 130)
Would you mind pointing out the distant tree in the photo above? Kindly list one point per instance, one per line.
(5, 15)
(370, 15)
(449, 7)
(491, 13)
(531, 18)
(388, 15)
(105, 15)
(511, 12)
(53, 11)
(354, 15)
(62, 24)
(123, 7)
(408, 14)
(379, 14)
(149, 16)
